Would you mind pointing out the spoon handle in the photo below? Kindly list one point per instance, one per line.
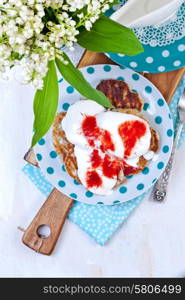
(161, 186)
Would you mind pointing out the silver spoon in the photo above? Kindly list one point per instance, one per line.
(160, 188)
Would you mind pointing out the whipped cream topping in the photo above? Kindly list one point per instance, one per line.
(107, 143)
(84, 164)
(111, 120)
(72, 122)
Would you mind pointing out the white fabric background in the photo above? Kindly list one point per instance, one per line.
(150, 244)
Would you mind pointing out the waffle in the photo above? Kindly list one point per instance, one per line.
(65, 149)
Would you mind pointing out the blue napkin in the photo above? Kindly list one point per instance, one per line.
(101, 221)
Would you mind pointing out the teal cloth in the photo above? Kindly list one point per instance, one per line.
(100, 221)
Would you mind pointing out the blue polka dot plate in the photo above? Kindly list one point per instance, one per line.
(164, 45)
(155, 109)
(154, 59)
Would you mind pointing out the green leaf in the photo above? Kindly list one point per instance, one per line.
(107, 35)
(45, 104)
(77, 80)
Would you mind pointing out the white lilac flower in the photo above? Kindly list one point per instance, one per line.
(32, 32)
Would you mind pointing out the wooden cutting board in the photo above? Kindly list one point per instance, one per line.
(55, 209)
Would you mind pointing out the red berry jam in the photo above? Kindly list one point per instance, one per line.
(130, 132)
(93, 179)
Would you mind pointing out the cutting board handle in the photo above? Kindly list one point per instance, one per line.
(52, 214)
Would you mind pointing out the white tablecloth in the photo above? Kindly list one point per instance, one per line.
(150, 244)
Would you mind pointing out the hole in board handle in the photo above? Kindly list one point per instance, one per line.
(43, 231)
